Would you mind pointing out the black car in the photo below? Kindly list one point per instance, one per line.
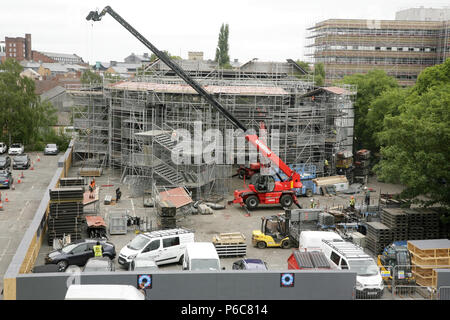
(99, 264)
(21, 162)
(250, 264)
(78, 253)
(5, 162)
(6, 179)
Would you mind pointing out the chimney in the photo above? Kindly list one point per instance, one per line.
(28, 47)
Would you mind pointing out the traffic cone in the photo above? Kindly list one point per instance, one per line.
(6, 197)
(21, 176)
(1, 205)
(38, 159)
(32, 165)
(18, 181)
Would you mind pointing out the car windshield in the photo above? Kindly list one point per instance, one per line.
(16, 146)
(20, 158)
(363, 267)
(68, 248)
(138, 243)
(204, 264)
(51, 146)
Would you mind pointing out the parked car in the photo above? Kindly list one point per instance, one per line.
(21, 162)
(16, 148)
(5, 162)
(250, 264)
(99, 264)
(78, 253)
(3, 147)
(6, 179)
(51, 148)
(143, 265)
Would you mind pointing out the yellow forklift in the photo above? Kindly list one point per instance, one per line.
(395, 267)
(274, 233)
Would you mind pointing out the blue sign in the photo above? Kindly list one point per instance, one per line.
(287, 280)
(144, 281)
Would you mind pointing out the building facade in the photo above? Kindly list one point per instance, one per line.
(400, 47)
(18, 48)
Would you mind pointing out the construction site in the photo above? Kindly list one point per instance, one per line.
(255, 162)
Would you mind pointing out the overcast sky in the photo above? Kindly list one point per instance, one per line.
(270, 30)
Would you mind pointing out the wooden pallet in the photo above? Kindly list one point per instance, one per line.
(229, 238)
(227, 250)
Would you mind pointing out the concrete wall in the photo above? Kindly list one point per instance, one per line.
(225, 285)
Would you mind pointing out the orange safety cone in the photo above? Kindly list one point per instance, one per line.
(6, 197)
(1, 205)
(18, 181)
(38, 159)
(32, 165)
(21, 176)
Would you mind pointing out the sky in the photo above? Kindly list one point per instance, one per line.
(268, 30)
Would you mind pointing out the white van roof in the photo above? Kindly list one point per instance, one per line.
(201, 250)
(103, 292)
(313, 239)
(166, 232)
(348, 249)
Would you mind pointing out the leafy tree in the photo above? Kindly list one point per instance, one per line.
(319, 74)
(89, 77)
(222, 57)
(369, 87)
(23, 117)
(153, 56)
(415, 149)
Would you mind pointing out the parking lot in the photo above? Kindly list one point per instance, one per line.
(19, 205)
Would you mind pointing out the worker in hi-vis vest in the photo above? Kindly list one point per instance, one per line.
(98, 251)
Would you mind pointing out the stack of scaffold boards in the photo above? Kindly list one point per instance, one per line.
(230, 244)
(90, 172)
(426, 257)
(378, 237)
(397, 221)
(71, 182)
(65, 215)
(166, 215)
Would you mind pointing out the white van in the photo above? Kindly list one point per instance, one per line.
(103, 292)
(201, 256)
(162, 246)
(347, 255)
(312, 240)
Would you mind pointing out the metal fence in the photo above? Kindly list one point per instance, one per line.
(407, 282)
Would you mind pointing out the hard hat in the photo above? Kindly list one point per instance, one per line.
(312, 200)
(352, 197)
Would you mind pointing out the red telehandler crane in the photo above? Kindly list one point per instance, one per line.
(265, 190)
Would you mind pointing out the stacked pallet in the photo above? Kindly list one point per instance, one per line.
(166, 212)
(397, 221)
(65, 214)
(416, 230)
(230, 244)
(430, 223)
(344, 165)
(362, 163)
(326, 219)
(427, 255)
(378, 237)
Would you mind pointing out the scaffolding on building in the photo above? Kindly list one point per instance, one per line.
(131, 125)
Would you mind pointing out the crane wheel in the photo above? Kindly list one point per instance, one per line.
(285, 244)
(261, 245)
(286, 201)
(252, 202)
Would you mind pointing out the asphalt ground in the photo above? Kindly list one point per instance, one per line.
(19, 210)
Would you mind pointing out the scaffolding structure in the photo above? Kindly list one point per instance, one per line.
(401, 48)
(133, 125)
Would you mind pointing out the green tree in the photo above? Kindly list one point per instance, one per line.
(23, 117)
(319, 74)
(415, 146)
(222, 57)
(89, 77)
(369, 87)
(153, 56)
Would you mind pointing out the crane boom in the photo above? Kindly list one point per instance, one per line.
(95, 16)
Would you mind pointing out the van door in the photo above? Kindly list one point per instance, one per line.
(151, 251)
(171, 250)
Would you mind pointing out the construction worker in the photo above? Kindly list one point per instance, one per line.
(92, 188)
(118, 194)
(98, 250)
(326, 166)
(313, 204)
(367, 198)
(352, 202)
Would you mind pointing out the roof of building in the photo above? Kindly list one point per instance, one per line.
(177, 196)
(186, 89)
(61, 55)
